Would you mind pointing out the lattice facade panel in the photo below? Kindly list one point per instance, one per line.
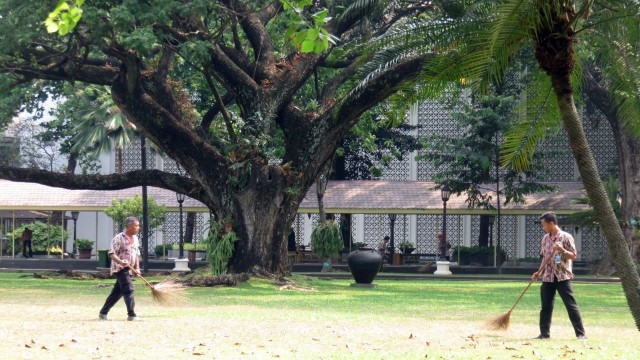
(131, 156)
(508, 234)
(171, 166)
(434, 119)
(556, 151)
(171, 233)
(397, 170)
(376, 226)
(594, 245)
(600, 137)
(429, 226)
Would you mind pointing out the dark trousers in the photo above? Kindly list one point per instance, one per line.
(123, 288)
(27, 244)
(547, 297)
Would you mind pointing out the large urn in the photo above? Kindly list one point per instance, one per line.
(364, 265)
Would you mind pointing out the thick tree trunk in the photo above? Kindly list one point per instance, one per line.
(262, 213)
(628, 149)
(603, 211)
(189, 227)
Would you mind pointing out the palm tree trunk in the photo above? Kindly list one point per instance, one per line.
(603, 211)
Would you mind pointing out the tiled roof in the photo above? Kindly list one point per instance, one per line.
(421, 197)
(356, 196)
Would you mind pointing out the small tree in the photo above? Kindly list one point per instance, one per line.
(120, 209)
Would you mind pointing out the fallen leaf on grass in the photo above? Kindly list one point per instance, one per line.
(510, 348)
(197, 353)
(410, 336)
(44, 348)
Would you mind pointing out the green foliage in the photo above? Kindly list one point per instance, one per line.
(326, 241)
(219, 247)
(84, 244)
(483, 255)
(310, 35)
(64, 17)
(43, 237)
(199, 246)
(120, 209)
(587, 218)
(358, 245)
(405, 245)
(159, 250)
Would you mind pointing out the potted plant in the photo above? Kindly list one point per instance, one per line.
(85, 246)
(407, 247)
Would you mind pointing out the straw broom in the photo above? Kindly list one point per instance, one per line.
(502, 322)
(167, 292)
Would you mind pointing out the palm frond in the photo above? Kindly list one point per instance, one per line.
(356, 10)
(539, 114)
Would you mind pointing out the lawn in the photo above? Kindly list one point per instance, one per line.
(311, 319)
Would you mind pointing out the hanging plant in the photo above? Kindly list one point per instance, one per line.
(326, 242)
(220, 249)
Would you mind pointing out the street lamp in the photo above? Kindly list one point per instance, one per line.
(445, 193)
(442, 263)
(74, 216)
(180, 198)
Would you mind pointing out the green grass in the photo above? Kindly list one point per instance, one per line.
(409, 309)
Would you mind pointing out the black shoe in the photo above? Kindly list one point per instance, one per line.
(541, 337)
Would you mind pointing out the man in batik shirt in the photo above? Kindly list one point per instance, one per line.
(558, 251)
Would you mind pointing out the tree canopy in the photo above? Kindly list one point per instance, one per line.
(218, 87)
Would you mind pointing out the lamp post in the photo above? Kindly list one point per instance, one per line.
(392, 220)
(442, 263)
(180, 198)
(74, 216)
(181, 264)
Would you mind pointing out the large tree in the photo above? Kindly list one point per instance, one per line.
(215, 86)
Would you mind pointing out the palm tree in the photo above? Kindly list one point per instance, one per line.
(553, 29)
(478, 43)
(103, 127)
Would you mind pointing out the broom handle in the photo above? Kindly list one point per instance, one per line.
(145, 280)
(521, 295)
(528, 286)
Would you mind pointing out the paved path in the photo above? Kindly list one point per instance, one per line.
(341, 271)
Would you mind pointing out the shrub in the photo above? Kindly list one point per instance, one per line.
(477, 254)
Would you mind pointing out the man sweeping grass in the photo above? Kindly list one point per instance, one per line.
(558, 247)
(124, 254)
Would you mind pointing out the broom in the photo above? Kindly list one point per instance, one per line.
(502, 322)
(167, 292)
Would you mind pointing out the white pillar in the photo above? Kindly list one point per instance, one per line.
(521, 241)
(466, 221)
(359, 228)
